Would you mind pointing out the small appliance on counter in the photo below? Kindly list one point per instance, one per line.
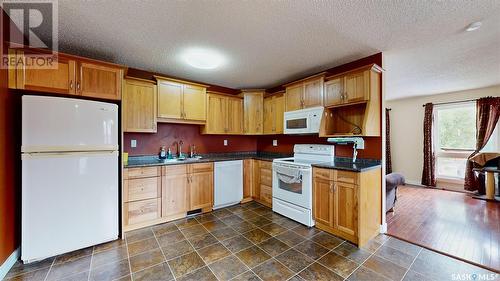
(70, 170)
(292, 181)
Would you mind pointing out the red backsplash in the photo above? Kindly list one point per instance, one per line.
(373, 145)
(167, 134)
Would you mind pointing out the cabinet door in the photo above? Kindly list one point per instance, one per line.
(201, 190)
(175, 193)
(323, 207)
(248, 179)
(254, 113)
(99, 81)
(279, 112)
(216, 117)
(139, 107)
(61, 79)
(294, 97)
(346, 207)
(170, 100)
(313, 93)
(334, 90)
(357, 86)
(194, 103)
(234, 116)
(269, 119)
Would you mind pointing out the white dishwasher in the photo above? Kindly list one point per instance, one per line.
(228, 189)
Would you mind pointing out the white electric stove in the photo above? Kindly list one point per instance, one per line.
(292, 181)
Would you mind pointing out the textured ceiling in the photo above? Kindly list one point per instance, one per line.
(270, 42)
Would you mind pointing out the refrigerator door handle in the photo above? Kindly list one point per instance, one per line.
(66, 154)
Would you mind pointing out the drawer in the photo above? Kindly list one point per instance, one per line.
(346, 176)
(201, 167)
(266, 177)
(266, 194)
(266, 164)
(142, 172)
(140, 189)
(327, 174)
(142, 211)
(174, 170)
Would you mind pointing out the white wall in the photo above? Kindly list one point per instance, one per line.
(407, 117)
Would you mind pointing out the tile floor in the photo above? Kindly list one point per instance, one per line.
(247, 242)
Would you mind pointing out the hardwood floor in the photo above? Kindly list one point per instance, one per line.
(449, 222)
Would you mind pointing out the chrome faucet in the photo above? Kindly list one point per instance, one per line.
(179, 149)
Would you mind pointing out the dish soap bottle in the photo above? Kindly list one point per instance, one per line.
(163, 153)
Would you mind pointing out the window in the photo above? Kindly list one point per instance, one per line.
(455, 139)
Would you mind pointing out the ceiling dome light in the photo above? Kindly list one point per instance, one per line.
(203, 58)
(473, 26)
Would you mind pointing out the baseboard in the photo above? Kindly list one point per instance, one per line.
(383, 228)
(9, 263)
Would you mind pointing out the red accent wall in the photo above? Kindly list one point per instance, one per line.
(10, 206)
(373, 145)
(190, 134)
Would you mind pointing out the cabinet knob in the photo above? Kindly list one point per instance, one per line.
(78, 85)
(71, 84)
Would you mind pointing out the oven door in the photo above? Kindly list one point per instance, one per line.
(292, 184)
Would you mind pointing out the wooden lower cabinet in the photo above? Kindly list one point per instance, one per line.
(153, 195)
(142, 202)
(348, 204)
(174, 192)
(201, 191)
(261, 189)
(248, 180)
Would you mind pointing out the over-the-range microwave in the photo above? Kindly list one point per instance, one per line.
(303, 121)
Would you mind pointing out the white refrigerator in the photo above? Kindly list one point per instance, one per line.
(69, 175)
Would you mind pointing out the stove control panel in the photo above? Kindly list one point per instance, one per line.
(320, 149)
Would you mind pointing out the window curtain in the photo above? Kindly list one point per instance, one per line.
(428, 173)
(388, 162)
(487, 114)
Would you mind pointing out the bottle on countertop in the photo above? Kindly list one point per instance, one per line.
(169, 154)
(163, 153)
(192, 151)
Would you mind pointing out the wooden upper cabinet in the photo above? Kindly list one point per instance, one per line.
(346, 207)
(334, 91)
(216, 115)
(234, 116)
(61, 79)
(170, 100)
(323, 201)
(313, 93)
(194, 103)
(70, 75)
(268, 115)
(181, 102)
(305, 93)
(139, 106)
(253, 112)
(274, 109)
(294, 97)
(279, 113)
(99, 81)
(357, 87)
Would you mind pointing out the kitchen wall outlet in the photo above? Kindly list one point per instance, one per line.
(275, 142)
(225, 142)
(133, 143)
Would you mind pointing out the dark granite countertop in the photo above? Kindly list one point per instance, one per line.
(152, 160)
(342, 163)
